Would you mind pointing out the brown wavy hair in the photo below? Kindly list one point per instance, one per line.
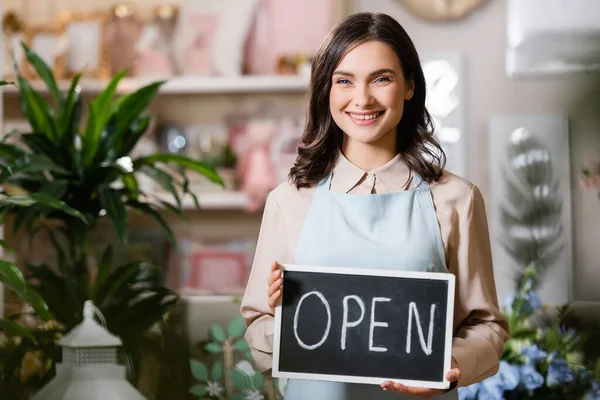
(322, 139)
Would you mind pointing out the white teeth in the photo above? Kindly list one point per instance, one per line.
(364, 117)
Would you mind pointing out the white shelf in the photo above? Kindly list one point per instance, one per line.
(191, 85)
(222, 200)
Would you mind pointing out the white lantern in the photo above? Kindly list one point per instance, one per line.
(89, 369)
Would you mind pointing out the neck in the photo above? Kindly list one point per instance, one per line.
(368, 156)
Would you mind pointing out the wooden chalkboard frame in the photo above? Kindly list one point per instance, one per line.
(450, 278)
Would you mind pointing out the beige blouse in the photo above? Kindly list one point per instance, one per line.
(480, 330)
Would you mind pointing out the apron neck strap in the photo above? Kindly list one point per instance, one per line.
(418, 182)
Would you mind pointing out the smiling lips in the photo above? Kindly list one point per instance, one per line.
(364, 119)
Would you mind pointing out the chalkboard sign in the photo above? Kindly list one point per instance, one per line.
(364, 326)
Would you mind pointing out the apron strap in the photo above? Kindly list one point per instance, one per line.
(325, 183)
(418, 182)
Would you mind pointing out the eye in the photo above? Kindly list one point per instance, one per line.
(382, 79)
(343, 81)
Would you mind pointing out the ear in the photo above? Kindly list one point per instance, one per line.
(409, 89)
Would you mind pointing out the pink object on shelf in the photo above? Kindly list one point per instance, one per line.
(287, 27)
(198, 55)
(215, 271)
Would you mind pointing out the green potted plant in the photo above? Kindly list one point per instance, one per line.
(65, 179)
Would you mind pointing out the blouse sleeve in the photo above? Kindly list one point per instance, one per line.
(480, 328)
(271, 246)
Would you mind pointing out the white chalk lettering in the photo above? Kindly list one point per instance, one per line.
(300, 342)
(412, 311)
(351, 324)
(376, 324)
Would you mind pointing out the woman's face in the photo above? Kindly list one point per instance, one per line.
(367, 94)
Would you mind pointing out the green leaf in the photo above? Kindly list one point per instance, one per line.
(21, 201)
(248, 355)
(33, 163)
(199, 370)
(41, 198)
(163, 179)
(197, 166)
(236, 328)
(241, 345)
(69, 118)
(101, 110)
(237, 396)
(131, 184)
(213, 348)
(111, 201)
(136, 131)
(239, 379)
(155, 215)
(10, 151)
(40, 144)
(104, 268)
(11, 276)
(44, 72)
(257, 381)
(5, 246)
(11, 328)
(198, 390)
(218, 334)
(37, 111)
(50, 201)
(216, 372)
(130, 106)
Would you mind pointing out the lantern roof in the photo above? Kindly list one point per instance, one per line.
(90, 333)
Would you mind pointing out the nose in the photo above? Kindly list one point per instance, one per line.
(363, 96)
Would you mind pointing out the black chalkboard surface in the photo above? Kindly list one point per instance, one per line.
(364, 326)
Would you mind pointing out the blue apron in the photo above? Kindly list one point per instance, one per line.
(356, 230)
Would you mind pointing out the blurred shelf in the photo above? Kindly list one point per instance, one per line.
(211, 298)
(222, 200)
(191, 85)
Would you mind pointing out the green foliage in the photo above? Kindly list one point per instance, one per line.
(76, 173)
(225, 380)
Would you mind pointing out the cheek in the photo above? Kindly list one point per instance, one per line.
(337, 100)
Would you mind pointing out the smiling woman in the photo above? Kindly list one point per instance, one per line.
(364, 73)
(369, 191)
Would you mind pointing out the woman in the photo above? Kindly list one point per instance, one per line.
(369, 137)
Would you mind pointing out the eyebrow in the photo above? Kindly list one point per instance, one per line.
(377, 72)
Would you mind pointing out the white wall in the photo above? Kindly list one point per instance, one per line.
(481, 37)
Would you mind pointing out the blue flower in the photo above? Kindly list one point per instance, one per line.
(491, 389)
(533, 300)
(533, 353)
(468, 392)
(509, 375)
(531, 378)
(594, 392)
(508, 301)
(559, 372)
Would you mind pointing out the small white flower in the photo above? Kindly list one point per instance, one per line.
(245, 367)
(214, 389)
(251, 394)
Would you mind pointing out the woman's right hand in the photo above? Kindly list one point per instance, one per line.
(275, 284)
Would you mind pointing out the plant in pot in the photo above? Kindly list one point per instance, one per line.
(64, 179)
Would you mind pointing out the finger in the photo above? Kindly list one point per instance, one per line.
(275, 286)
(274, 275)
(415, 391)
(275, 266)
(453, 375)
(274, 298)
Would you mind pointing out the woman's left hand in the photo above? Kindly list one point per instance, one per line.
(452, 376)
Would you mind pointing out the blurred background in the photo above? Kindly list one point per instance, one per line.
(513, 88)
